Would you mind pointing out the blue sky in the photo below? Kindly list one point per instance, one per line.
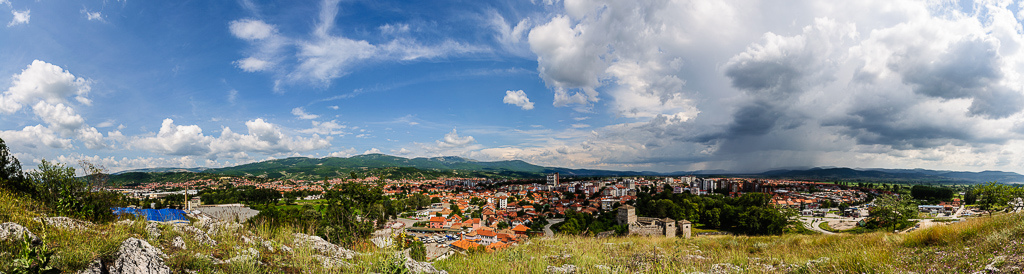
(626, 85)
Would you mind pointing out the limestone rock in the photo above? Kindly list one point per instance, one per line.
(15, 232)
(96, 267)
(63, 222)
(249, 254)
(565, 268)
(197, 234)
(421, 267)
(323, 246)
(153, 229)
(214, 227)
(178, 242)
(136, 256)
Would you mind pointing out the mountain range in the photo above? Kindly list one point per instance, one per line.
(393, 167)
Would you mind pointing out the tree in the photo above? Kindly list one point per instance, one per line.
(994, 196)
(96, 174)
(11, 176)
(455, 209)
(891, 211)
(57, 187)
(418, 251)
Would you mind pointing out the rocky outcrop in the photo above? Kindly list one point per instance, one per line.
(96, 267)
(16, 232)
(214, 227)
(179, 243)
(153, 229)
(63, 222)
(135, 256)
(421, 267)
(565, 268)
(247, 255)
(196, 234)
(324, 247)
(330, 255)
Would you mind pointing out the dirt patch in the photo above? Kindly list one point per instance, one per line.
(842, 224)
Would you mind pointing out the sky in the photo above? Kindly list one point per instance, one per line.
(651, 85)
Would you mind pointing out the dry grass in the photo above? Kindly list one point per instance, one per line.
(956, 248)
(962, 247)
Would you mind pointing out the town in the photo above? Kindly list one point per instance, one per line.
(475, 213)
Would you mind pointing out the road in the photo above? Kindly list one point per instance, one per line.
(811, 224)
(547, 228)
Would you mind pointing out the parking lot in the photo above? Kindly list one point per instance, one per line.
(437, 243)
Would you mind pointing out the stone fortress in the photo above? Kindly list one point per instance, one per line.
(648, 226)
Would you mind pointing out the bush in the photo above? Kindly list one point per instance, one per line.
(56, 187)
(418, 251)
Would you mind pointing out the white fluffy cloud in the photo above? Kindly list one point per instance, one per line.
(326, 128)
(518, 98)
(251, 29)
(30, 136)
(452, 140)
(253, 64)
(20, 17)
(301, 113)
(47, 87)
(262, 137)
(46, 82)
(93, 15)
(325, 56)
(176, 140)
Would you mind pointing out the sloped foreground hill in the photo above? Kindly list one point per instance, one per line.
(985, 245)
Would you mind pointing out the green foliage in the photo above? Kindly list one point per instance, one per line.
(249, 195)
(577, 223)
(749, 214)
(30, 258)
(11, 176)
(56, 186)
(136, 178)
(455, 209)
(994, 196)
(891, 212)
(932, 194)
(418, 251)
(348, 215)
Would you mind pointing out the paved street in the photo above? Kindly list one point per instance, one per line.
(813, 224)
(547, 228)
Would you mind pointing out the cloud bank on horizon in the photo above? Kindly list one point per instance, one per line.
(661, 85)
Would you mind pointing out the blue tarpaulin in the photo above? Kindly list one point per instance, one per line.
(159, 215)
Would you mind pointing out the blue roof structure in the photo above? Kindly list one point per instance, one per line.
(159, 215)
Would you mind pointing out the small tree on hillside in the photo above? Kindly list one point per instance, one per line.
(11, 176)
(891, 211)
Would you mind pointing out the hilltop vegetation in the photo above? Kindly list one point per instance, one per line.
(397, 168)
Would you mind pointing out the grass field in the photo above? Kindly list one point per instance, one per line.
(962, 247)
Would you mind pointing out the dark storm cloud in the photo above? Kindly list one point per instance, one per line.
(965, 67)
(968, 68)
(775, 79)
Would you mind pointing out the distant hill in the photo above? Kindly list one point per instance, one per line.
(449, 165)
(916, 176)
(165, 169)
(393, 167)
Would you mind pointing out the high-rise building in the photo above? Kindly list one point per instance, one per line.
(553, 179)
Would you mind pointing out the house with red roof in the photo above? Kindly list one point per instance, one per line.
(437, 222)
(520, 229)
